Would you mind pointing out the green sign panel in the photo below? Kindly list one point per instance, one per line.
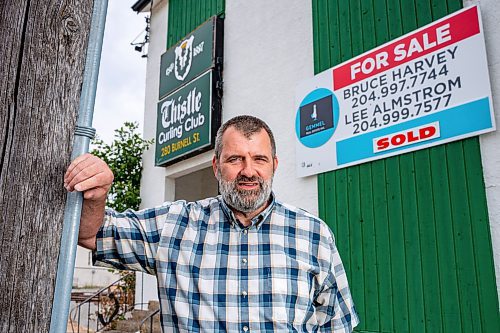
(191, 56)
(185, 120)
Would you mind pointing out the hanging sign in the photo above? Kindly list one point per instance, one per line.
(426, 88)
(189, 110)
(191, 56)
(187, 121)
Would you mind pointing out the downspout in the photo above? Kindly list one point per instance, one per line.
(83, 133)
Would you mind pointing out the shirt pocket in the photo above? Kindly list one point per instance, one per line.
(290, 290)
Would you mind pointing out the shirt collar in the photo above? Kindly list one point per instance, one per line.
(256, 221)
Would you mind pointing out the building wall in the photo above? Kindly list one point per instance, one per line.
(88, 276)
(261, 68)
(490, 142)
(412, 229)
(153, 182)
(267, 51)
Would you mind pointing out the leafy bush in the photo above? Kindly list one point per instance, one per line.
(124, 158)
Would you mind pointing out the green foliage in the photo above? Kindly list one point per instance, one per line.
(123, 157)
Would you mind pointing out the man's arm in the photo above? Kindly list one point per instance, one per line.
(335, 308)
(92, 176)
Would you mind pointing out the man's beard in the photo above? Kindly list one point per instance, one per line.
(245, 201)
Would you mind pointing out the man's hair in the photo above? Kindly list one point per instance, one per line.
(248, 126)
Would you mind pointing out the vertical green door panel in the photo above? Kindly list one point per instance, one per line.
(413, 229)
(185, 15)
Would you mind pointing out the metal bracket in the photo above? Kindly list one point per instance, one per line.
(89, 132)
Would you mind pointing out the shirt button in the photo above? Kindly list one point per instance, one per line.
(244, 293)
(244, 260)
(245, 231)
(245, 328)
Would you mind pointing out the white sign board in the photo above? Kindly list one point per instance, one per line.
(426, 88)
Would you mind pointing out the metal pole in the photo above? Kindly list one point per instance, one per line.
(83, 133)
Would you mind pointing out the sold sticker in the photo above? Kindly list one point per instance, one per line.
(407, 137)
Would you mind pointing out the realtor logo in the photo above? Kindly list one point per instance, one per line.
(316, 116)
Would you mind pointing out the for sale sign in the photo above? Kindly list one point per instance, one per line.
(423, 89)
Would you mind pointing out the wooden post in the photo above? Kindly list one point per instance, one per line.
(42, 57)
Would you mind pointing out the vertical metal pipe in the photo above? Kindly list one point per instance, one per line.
(73, 208)
(98, 310)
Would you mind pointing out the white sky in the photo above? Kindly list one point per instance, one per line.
(122, 74)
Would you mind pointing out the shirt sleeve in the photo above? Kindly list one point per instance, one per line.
(335, 310)
(129, 240)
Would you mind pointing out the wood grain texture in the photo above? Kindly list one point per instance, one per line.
(41, 62)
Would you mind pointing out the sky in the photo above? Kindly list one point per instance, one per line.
(122, 73)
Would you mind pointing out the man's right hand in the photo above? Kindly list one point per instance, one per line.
(92, 176)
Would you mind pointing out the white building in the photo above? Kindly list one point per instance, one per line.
(419, 233)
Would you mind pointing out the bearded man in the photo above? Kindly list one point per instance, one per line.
(239, 262)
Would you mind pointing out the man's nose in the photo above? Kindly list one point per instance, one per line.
(248, 169)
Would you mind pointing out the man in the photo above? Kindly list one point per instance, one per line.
(240, 262)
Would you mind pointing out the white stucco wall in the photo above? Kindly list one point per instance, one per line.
(490, 143)
(153, 178)
(152, 182)
(267, 51)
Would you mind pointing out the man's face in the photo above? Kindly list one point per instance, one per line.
(245, 170)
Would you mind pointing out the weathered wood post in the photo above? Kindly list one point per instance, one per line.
(42, 58)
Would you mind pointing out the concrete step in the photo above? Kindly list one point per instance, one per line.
(127, 325)
(153, 305)
(132, 323)
(156, 328)
(139, 315)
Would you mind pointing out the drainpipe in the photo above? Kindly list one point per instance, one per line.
(83, 133)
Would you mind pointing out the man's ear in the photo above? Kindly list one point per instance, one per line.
(214, 166)
(275, 163)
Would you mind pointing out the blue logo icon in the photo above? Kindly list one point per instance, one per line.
(317, 118)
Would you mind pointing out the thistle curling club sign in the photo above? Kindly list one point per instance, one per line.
(189, 107)
(191, 56)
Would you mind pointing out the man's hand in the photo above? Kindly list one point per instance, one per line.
(92, 176)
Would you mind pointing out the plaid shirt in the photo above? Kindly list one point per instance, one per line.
(282, 273)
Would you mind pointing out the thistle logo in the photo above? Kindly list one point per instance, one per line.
(183, 58)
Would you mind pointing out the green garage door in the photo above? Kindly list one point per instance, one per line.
(413, 230)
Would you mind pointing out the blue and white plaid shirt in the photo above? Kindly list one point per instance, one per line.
(283, 273)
